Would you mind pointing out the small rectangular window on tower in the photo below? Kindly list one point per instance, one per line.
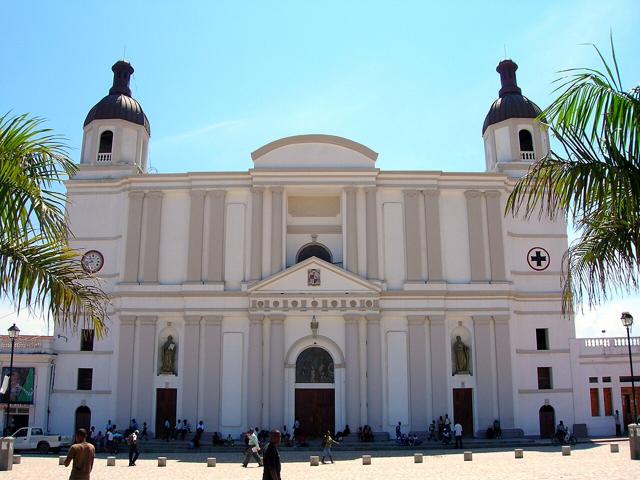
(85, 378)
(542, 338)
(593, 379)
(595, 402)
(86, 339)
(606, 379)
(544, 378)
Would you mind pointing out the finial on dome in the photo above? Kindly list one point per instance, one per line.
(507, 70)
(122, 71)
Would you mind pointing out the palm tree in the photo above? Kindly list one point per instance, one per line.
(594, 181)
(38, 270)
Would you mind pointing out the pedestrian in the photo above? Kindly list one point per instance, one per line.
(457, 433)
(109, 437)
(432, 431)
(108, 427)
(132, 441)
(145, 433)
(252, 448)
(399, 430)
(167, 429)
(327, 443)
(81, 454)
(184, 430)
(271, 459)
(99, 441)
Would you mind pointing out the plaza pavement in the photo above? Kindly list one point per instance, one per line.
(589, 461)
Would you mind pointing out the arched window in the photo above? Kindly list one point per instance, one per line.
(314, 250)
(526, 141)
(106, 142)
(314, 365)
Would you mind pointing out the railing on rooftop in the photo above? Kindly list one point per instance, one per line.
(611, 342)
(527, 156)
(103, 158)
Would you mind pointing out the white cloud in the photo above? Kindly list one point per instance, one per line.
(607, 317)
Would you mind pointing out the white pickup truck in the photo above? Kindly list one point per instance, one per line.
(34, 438)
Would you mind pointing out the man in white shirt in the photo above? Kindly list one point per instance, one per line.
(457, 433)
(253, 449)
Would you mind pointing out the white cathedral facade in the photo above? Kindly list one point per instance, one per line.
(315, 286)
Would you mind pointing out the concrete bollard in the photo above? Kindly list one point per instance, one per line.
(417, 458)
(566, 450)
(366, 459)
(519, 453)
(615, 448)
(61, 460)
(314, 460)
(468, 456)
(111, 461)
(211, 462)
(17, 459)
(162, 461)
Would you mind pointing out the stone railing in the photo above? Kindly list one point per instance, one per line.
(611, 342)
(27, 344)
(103, 158)
(527, 156)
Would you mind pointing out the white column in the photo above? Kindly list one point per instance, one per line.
(211, 365)
(276, 229)
(352, 364)
(374, 372)
(190, 371)
(351, 233)
(150, 264)
(134, 231)
(476, 235)
(254, 389)
(505, 375)
(215, 266)
(484, 370)
(438, 362)
(195, 248)
(145, 369)
(412, 236)
(417, 377)
(124, 391)
(496, 243)
(276, 371)
(373, 271)
(362, 335)
(257, 194)
(434, 243)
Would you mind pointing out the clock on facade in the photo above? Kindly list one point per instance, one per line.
(92, 261)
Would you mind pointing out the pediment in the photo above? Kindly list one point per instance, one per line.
(314, 276)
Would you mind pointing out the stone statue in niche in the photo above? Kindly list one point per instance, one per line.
(168, 359)
(461, 357)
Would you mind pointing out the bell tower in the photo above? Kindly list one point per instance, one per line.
(116, 131)
(513, 137)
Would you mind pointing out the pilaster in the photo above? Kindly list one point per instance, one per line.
(134, 232)
(412, 236)
(150, 264)
(434, 243)
(476, 235)
(217, 226)
(196, 227)
(257, 194)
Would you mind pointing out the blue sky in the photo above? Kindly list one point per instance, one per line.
(411, 80)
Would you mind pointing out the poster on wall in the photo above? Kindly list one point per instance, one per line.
(22, 382)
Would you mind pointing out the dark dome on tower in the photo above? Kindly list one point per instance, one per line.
(119, 104)
(510, 103)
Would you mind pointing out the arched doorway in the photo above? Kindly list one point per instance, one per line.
(547, 418)
(315, 399)
(83, 418)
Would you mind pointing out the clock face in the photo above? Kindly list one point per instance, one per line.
(92, 261)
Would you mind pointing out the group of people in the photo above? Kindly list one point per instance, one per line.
(443, 431)
(175, 432)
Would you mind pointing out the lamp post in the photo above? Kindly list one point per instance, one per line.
(627, 321)
(14, 331)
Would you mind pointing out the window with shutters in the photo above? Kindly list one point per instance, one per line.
(607, 396)
(85, 378)
(544, 378)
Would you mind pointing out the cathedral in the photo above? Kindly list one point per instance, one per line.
(316, 287)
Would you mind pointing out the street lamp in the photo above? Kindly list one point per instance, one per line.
(627, 321)
(14, 332)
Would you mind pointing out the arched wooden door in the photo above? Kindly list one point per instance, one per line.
(547, 421)
(315, 392)
(83, 418)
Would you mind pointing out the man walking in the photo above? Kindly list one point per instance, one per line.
(81, 454)
(253, 449)
(457, 433)
(271, 459)
(327, 443)
(132, 441)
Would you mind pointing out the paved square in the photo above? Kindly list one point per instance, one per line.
(585, 462)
